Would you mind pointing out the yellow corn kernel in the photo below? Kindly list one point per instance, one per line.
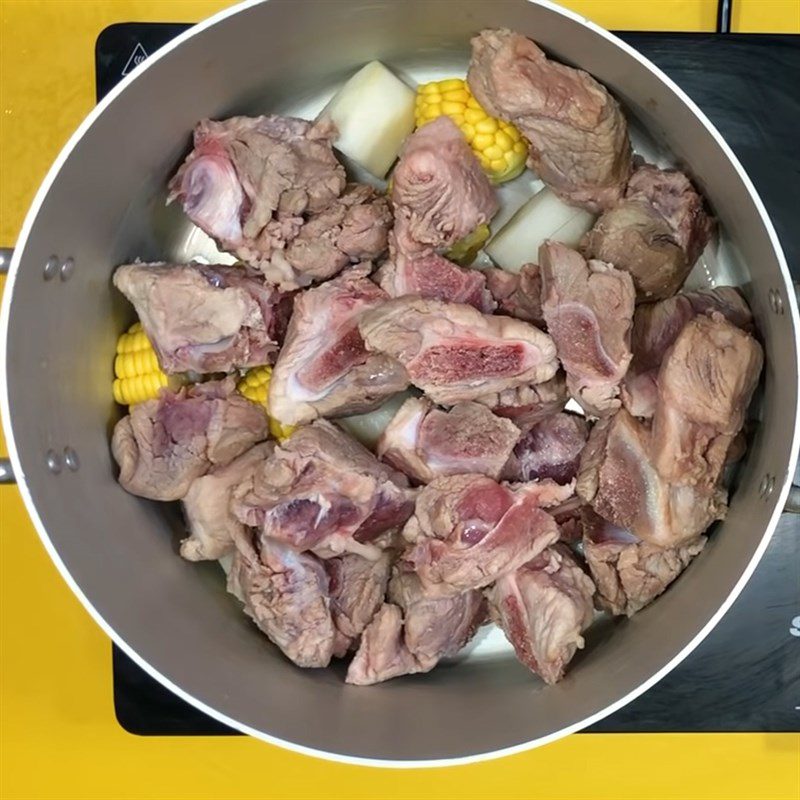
(497, 144)
(138, 375)
(255, 387)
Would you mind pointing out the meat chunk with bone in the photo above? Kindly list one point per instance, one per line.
(588, 308)
(434, 277)
(414, 632)
(656, 233)
(324, 368)
(628, 572)
(543, 608)
(253, 183)
(518, 294)
(286, 595)
(206, 318)
(619, 480)
(550, 449)
(245, 174)
(704, 388)
(323, 491)
(212, 526)
(164, 444)
(352, 228)
(468, 530)
(656, 326)
(527, 405)
(440, 193)
(425, 442)
(453, 352)
(578, 136)
(357, 587)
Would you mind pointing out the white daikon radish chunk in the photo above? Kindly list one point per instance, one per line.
(544, 216)
(367, 428)
(374, 113)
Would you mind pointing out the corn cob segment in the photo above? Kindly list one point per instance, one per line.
(255, 387)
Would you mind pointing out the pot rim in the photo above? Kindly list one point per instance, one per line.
(5, 310)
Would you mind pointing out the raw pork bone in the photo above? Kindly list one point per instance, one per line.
(323, 491)
(704, 388)
(527, 405)
(252, 183)
(628, 572)
(518, 295)
(578, 136)
(286, 595)
(453, 352)
(414, 632)
(618, 479)
(207, 506)
(656, 233)
(440, 193)
(550, 449)
(323, 368)
(357, 587)
(425, 442)
(206, 318)
(354, 227)
(543, 608)
(588, 308)
(162, 445)
(433, 277)
(656, 327)
(468, 530)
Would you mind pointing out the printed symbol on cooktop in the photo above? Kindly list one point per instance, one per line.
(794, 628)
(138, 55)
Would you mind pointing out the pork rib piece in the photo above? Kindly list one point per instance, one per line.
(357, 587)
(656, 233)
(578, 136)
(206, 318)
(656, 327)
(543, 608)
(286, 595)
(164, 444)
(323, 491)
(468, 530)
(212, 526)
(628, 572)
(704, 388)
(425, 442)
(439, 191)
(323, 368)
(518, 295)
(433, 277)
(618, 479)
(588, 308)
(550, 449)
(453, 352)
(252, 182)
(414, 632)
(527, 405)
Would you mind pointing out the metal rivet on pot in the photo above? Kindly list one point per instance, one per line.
(71, 459)
(67, 268)
(776, 301)
(767, 486)
(53, 461)
(51, 268)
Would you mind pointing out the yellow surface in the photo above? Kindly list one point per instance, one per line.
(58, 735)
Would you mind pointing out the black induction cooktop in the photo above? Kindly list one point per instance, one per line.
(746, 675)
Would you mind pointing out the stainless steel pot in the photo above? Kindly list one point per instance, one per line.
(103, 204)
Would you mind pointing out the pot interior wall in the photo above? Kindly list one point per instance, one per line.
(106, 207)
